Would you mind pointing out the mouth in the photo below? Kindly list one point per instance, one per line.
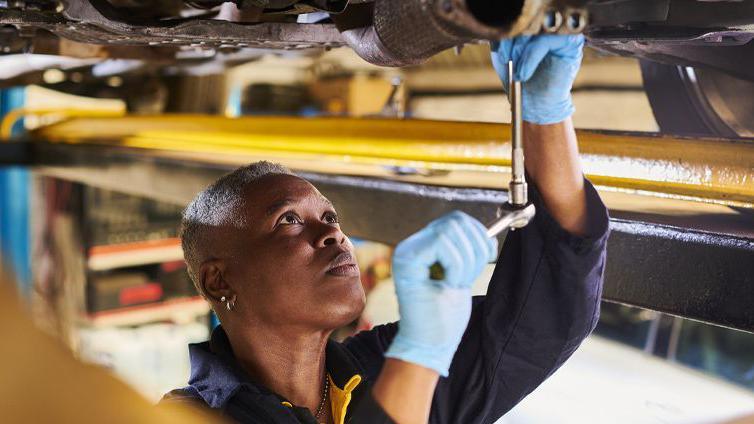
(344, 265)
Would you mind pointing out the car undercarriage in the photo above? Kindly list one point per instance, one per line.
(383, 32)
(702, 48)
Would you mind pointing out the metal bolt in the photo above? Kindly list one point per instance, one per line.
(552, 20)
(576, 21)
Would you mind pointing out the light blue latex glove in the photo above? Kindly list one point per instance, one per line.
(546, 65)
(434, 313)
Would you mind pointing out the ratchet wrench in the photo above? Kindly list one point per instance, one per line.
(517, 212)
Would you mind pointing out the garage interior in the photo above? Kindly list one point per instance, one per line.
(97, 164)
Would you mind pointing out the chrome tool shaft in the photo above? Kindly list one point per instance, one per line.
(518, 193)
(517, 212)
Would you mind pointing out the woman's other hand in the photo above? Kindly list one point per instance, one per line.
(434, 313)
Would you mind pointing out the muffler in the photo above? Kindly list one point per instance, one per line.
(407, 32)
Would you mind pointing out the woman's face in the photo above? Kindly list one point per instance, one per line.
(293, 265)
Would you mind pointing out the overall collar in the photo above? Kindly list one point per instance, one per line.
(217, 377)
(215, 374)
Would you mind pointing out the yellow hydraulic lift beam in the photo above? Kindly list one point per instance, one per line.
(475, 154)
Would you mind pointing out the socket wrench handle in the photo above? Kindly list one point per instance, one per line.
(513, 218)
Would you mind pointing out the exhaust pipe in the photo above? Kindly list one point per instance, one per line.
(407, 32)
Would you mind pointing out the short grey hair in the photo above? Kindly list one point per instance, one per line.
(219, 205)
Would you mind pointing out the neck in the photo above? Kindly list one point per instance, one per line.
(290, 363)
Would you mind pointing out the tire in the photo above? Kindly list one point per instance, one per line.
(702, 102)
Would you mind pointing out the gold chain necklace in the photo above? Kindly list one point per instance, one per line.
(325, 393)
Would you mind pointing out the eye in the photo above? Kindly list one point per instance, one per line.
(331, 218)
(289, 218)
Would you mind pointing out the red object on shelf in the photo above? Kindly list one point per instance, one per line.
(167, 310)
(123, 255)
(145, 293)
(172, 266)
(128, 247)
(147, 307)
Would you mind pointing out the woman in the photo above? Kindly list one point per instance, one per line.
(266, 250)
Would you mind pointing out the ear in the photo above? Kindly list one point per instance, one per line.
(212, 280)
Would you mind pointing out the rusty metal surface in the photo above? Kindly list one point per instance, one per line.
(392, 33)
(97, 29)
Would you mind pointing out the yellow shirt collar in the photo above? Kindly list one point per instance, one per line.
(339, 398)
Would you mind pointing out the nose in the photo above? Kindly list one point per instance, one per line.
(328, 235)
